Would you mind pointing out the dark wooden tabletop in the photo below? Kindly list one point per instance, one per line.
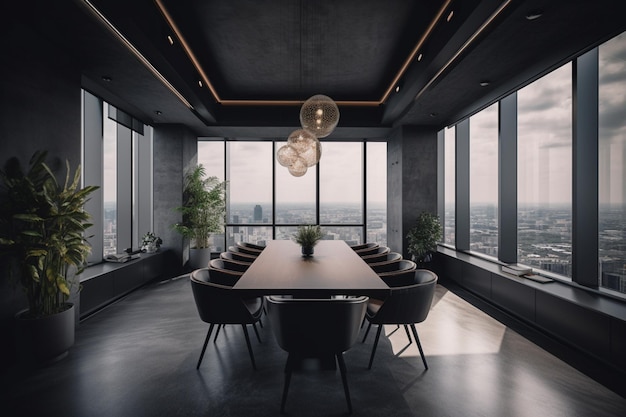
(334, 269)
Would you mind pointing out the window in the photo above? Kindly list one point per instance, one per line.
(117, 157)
(341, 190)
(612, 164)
(211, 157)
(545, 173)
(376, 180)
(249, 198)
(265, 202)
(450, 186)
(484, 181)
(295, 197)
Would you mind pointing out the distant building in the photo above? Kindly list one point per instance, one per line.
(258, 213)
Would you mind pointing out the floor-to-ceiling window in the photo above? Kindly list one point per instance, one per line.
(484, 181)
(449, 236)
(249, 176)
(117, 157)
(612, 164)
(346, 193)
(544, 193)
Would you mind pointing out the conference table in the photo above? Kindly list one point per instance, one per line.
(334, 269)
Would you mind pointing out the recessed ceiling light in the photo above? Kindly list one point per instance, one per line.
(200, 83)
(419, 57)
(433, 115)
(534, 14)
(484, 83)
(170, 40)
(397, 88)
(450, 16)
(158, 112)
(106, 78)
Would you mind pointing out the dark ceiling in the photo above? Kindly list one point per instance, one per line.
(257, 61)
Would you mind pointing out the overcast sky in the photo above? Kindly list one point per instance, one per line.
(250, 172)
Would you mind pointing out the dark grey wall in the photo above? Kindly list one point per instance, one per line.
(411, 181)
(175, 151)
(40, 110)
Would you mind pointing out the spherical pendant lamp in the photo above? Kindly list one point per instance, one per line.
(286, 155)
(313, 153)
(319, 115)
(298, 168)
(301, 140)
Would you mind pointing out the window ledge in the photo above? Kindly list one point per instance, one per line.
(582, 296)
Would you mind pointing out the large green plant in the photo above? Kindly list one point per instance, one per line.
(42, 225)
(423, 236)
(203, 209)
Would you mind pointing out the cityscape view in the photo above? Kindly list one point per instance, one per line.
(251, 222)
(544, 240)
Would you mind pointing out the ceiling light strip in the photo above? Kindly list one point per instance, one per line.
(136, 52)
(295, 103)
(416, 49)
(464, 47)
(188, 50)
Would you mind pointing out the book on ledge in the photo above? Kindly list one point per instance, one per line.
(121, 257)
(516, 269)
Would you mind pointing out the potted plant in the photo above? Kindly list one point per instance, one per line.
(43, 248)
(150, 242)
(307, 237)
(423, 237)
(203, 212)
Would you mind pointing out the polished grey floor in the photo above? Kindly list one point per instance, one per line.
(138, 358)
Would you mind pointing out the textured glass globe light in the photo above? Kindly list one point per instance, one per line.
(301, 140)
(313, 153)
(298, 168)
(286, 155)
(319, 115)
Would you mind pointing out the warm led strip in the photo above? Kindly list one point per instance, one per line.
(136, 52)
(225, 102)
(464, 47)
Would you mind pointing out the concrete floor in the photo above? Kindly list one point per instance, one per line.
(138, 358)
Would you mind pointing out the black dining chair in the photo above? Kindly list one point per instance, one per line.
(230, 264)
(405, 305)
(251, 245)
(369, 249)
(398, 273)
(243, 251)
(316, 328)
(237, 255)
(378, 255)
(222, 274)
(379, 261)
(218, 305)
(245, 248)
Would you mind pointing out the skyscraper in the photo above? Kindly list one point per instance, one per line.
(258, 213)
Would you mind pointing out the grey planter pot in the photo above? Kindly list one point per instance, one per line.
(47, 339)
(199, 258)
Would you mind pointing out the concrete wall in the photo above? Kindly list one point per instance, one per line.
(175, 151)
(411, 181)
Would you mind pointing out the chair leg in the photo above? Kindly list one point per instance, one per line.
(206, 341)
(245, 333)
(219, 327)
(344, 379)
(380, 328)
(257, 332)
(419, 345)
(288, 371)
(406, 329)
(367, 332)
